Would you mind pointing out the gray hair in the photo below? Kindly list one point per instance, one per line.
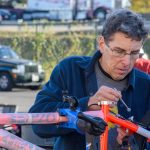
(127, 22)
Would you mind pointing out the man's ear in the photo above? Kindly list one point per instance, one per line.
(101, 43)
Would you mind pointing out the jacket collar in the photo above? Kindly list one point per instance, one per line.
(88, 64)
(132, 78)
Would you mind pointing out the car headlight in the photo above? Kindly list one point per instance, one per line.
(40, 69)
(19, 69)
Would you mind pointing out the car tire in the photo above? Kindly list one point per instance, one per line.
(100, 14)
(35, 87)
(6, 83)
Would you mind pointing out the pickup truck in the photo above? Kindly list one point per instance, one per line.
(16, 71)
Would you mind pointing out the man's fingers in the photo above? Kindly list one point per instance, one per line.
(107, 96)
(121, 134)
(104, 93)
(109, 93)
(119, 140)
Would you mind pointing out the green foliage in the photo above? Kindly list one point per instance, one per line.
(49, 49)
(141, 6)
(146, 47)
(22, 1)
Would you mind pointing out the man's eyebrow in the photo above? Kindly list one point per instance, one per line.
(119, 48)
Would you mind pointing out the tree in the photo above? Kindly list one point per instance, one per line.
(141, 6)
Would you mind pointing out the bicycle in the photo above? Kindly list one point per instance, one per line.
(66, 118)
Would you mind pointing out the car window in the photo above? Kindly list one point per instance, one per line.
(8, 53)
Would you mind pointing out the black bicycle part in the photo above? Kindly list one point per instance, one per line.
(92, 125)
(72, 100)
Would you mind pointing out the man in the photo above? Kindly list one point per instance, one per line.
(108, 75)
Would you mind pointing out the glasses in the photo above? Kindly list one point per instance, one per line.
(121, 53)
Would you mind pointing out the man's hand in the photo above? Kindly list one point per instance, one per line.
(103, 93)
(121, 134)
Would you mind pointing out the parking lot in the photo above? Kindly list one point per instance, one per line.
(22, 98)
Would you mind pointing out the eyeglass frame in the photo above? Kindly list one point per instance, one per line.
(133, 54)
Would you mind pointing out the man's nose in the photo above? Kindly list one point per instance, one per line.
(127, 59)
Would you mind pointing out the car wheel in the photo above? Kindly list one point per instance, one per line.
(6, 83)
(35, 87)
(100, 14)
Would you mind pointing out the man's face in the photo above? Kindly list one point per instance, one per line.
(119, 55)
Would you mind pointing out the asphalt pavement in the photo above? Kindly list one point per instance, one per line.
(22, 98)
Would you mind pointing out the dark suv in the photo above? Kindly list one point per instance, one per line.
(15, 71)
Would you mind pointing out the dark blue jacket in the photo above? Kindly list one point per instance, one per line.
(76, 77)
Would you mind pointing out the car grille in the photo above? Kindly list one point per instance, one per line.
(31, 69)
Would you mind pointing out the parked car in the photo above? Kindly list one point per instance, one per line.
(16, 71)
(5, 14)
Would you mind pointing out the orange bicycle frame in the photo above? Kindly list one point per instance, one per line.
(108, 117)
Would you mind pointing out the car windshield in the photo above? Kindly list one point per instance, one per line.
(6, 52)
